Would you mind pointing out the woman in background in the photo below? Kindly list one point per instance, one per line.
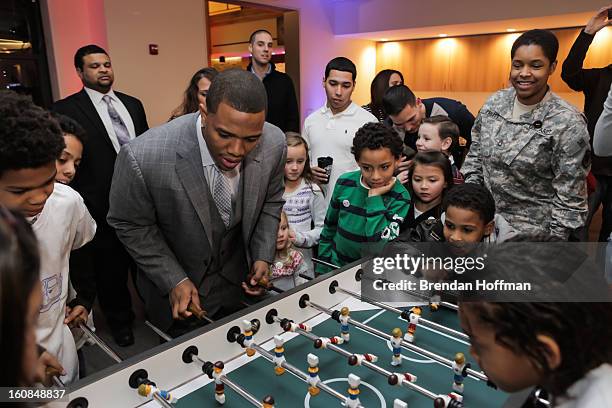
(196, 92)
(384, 80)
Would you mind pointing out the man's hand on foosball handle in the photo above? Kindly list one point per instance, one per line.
(258, 271)
(180, 297)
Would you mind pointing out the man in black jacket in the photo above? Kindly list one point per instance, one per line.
(595, 83)
(110, 120)
(282, 102)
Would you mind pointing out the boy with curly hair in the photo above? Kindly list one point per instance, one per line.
(30, 143)
(367, 205)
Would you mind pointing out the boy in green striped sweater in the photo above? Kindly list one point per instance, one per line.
(368, 205)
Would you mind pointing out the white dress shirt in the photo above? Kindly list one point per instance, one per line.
(332, 135)
(102, 109)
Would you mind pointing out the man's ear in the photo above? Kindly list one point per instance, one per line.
(552, 352)
(251, 48)
(79, 72)
(488, 230)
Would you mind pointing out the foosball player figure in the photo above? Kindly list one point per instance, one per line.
(219, 386)
(396, 346)
(268, 402)
(279, 355)
(460, 372)
(344, 326)
(413, 320)
(247, 327)
(398, 403)
(313, 373)
(147, 390)
(353, 398)
(434, 303)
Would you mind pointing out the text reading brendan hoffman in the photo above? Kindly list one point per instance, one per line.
(404, 272)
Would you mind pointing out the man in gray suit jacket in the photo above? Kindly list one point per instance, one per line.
(198, 200)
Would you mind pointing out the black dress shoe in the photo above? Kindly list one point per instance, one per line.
(124, 337)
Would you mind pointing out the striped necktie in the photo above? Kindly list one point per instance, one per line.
(123, 136)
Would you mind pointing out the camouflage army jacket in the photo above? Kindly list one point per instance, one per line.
(536, 166)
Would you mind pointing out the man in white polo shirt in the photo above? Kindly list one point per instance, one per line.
(329, 131)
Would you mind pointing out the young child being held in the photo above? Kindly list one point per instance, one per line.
(468, 218)
(430, 178)
(563, 347)
(304, 201)
(70, 159)
(440, 134)
(30, 143)
(288, 262)
(368, 205)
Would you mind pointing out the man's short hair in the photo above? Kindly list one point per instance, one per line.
(544, 38)
(396, 98)
(472, 197)
(70, 126)
(29, 137)
(261, 30)
(86, 50)
(239, 89)
(341, 64)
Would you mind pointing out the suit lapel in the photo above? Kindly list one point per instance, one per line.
(89, 111)
(190, 172)
(251, 196)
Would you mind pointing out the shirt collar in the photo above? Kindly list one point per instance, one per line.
(97, 96)
(349, 111)
(207, 159)
(266, 73)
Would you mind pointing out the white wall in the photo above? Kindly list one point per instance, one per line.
(178, 28)
(69, 25)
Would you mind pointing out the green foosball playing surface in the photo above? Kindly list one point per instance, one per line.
(259, 379)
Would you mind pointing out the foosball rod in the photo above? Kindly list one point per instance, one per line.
(158, 331)
(297, 372)
(405, 315)
(294, 370)
(192, 353)
(364, 363)
(93, 336)
(404, 343)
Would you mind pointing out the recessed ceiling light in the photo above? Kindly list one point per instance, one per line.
(510, 30)
(384, 39)
(442, 35)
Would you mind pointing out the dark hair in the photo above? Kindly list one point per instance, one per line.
(375, 135)
(29, 136)
(436, 159)
(396, 98)
(86, 50)
(261, 30)
(71, 126)
(544, 38)
(239, 89)
(19, 272)
(190, 102)
(294, 139)
(582, 330)
(379, 86)
(341, 64)
(473, 197)
(446, 128)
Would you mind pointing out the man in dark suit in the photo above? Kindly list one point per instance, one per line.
(197, 203)
(110, 119)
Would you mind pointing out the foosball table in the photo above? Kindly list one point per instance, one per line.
(318, 345)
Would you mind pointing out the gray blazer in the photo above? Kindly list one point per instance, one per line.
(161, 210)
